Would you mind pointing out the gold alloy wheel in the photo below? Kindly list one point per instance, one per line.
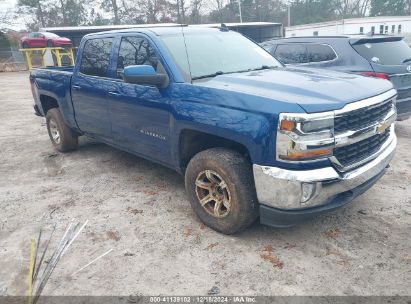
(213, 193)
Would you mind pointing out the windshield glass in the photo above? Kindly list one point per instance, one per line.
(385, 52)
(218, 52)
(50, 35)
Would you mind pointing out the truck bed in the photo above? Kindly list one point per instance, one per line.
(54, 82)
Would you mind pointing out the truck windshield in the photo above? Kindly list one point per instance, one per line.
(385, 52)
(211, 54)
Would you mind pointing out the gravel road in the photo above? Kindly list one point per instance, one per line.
(140, 210)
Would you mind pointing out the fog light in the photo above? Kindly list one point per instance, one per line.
(307, 191)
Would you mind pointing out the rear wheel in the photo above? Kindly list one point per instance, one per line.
(49, 43)
(220, 187)
(62, 138)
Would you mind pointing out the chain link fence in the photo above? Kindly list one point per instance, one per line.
(11, 60)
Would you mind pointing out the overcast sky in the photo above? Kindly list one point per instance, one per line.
(15, 23)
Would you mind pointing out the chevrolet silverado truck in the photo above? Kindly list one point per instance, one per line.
(252, 137)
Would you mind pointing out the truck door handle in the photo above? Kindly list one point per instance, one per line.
(114, 93)
(76, 87)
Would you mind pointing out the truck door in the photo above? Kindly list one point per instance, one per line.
(139, 113)
(89, 89)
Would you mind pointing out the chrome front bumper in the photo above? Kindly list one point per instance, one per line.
(285, 189)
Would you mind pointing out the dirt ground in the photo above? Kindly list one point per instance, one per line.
(140, 210)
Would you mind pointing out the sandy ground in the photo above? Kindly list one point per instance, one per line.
(140, 210)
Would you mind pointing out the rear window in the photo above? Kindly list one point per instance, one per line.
(384, 52)
(96, 57)
(291, 53)
(320, 53)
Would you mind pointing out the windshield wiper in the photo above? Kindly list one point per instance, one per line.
(265, 67)
(208, 75)
(406, 60)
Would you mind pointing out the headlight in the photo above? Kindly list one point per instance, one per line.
(305, 137)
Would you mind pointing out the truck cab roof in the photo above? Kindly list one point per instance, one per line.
(160, 30)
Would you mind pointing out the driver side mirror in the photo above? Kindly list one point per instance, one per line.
(144, 74)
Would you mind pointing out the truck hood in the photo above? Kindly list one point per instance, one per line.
(314, 90)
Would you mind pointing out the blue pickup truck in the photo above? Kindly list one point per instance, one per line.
(253, 138)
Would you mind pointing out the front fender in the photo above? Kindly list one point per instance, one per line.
(251, 130)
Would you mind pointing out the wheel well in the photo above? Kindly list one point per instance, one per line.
(48, 103)
(193, 142)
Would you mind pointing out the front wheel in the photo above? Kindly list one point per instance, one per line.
(220, 187)
(62, 138)
(49, 43)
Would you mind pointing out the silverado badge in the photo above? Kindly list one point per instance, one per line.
(382, 126)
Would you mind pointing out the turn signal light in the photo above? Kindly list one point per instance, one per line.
(296, 155)
(287, 125)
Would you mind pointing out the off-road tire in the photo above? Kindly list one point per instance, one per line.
(68, 140)
(236, 171)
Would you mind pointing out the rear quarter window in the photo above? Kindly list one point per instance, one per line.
(96, 56)
(291, 53)
(384, 52)
(320, 53)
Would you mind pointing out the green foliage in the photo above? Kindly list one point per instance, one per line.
(311, 11)
(390, 7)
(4, 42)
(103, 12)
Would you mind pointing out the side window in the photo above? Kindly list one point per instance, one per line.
(268, 47)
(320, 52)
(96, 57)
(291, 53)
(136, 51)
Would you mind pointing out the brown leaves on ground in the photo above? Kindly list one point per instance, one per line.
(211, 246)
(267, 255)
(134, 211)
(333, 233)
(332, 252)
(342, 261)
(113, 235)
(187, 231)
(202, 226)
(150, 192)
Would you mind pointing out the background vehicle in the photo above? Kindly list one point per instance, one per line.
(386, 57)
(44, 39)
(251, 137)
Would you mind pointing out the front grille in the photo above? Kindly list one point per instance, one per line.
(361, 118)
(354, 153)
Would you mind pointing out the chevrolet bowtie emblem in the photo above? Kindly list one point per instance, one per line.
(382, 126)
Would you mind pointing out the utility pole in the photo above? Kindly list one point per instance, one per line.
(289, 14)
(239, 9)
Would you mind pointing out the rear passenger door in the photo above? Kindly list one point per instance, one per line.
(140, 114)
(89, 88)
